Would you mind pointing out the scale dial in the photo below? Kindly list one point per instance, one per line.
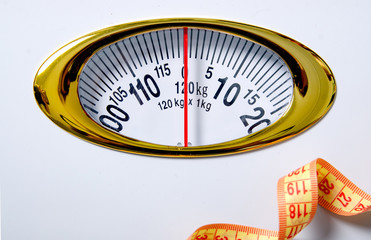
(184, 87)
(135, 87)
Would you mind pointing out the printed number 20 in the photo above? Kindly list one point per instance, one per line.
(260, 114)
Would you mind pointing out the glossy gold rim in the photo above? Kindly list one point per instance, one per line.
(56, 82)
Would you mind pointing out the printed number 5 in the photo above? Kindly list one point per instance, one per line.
(209, 73)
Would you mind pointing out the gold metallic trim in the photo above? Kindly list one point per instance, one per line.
(56, 83)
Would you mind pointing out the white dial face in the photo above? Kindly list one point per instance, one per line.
(136, 87)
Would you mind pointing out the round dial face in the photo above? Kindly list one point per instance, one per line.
(185, 87)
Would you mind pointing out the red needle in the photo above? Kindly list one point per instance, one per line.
(185, 48)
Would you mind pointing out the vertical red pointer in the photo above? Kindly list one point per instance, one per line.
(185, 56)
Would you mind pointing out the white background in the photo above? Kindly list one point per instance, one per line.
(56, 186)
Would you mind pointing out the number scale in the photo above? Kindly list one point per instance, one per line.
(184, 87)
(195, 88)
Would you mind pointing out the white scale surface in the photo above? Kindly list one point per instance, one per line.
(56, 186)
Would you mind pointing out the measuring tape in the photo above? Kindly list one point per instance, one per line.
(299, 193)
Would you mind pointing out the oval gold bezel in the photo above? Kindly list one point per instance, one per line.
(56, 83)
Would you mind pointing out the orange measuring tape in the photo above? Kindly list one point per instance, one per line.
(299, 193)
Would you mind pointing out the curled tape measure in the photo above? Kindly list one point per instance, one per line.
(299, 193)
